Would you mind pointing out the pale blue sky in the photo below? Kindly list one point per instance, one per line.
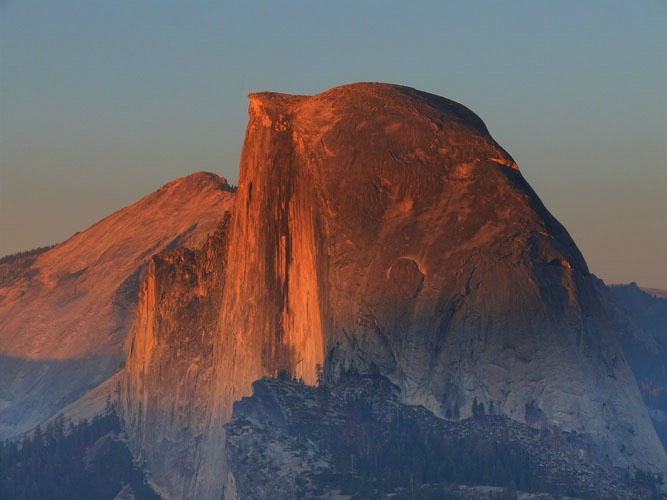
(102, 102)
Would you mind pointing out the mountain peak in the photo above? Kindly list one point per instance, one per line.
(201, 178)
(392, 121)
(195, 182)
(381, 229)
(67, 312)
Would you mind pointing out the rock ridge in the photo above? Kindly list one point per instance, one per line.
(66, 313)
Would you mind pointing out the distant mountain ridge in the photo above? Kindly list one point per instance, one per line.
(66, 311)
(639, 318)
(655, 292)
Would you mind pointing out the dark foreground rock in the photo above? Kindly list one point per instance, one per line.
(358, 441)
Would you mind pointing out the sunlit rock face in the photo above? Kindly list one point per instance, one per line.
(166, 385)
(382, 229)
(65, 314)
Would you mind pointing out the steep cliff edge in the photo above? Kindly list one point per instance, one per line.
(382, 229)
(166, 383)
(65, 314)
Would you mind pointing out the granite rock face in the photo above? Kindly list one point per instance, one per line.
(66, 313)
(381, 229)
(168, 376)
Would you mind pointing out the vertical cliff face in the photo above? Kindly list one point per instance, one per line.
(379, 228)
(166, 384)
(272, 319)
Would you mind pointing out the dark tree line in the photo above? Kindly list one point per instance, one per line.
(68, 460)
(371, 459)
(377, 448)
(8, 259)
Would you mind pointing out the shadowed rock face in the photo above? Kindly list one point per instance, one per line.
(381, 228)
(639, 318)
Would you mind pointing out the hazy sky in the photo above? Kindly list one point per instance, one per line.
(102, 102)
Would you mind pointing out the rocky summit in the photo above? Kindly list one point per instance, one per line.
(377, 230)
(66, 312)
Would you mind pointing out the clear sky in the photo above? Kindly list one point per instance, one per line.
(102, 102)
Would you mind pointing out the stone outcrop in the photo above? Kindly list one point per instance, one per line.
(380, 229)
(168, 372)
(65, 314)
